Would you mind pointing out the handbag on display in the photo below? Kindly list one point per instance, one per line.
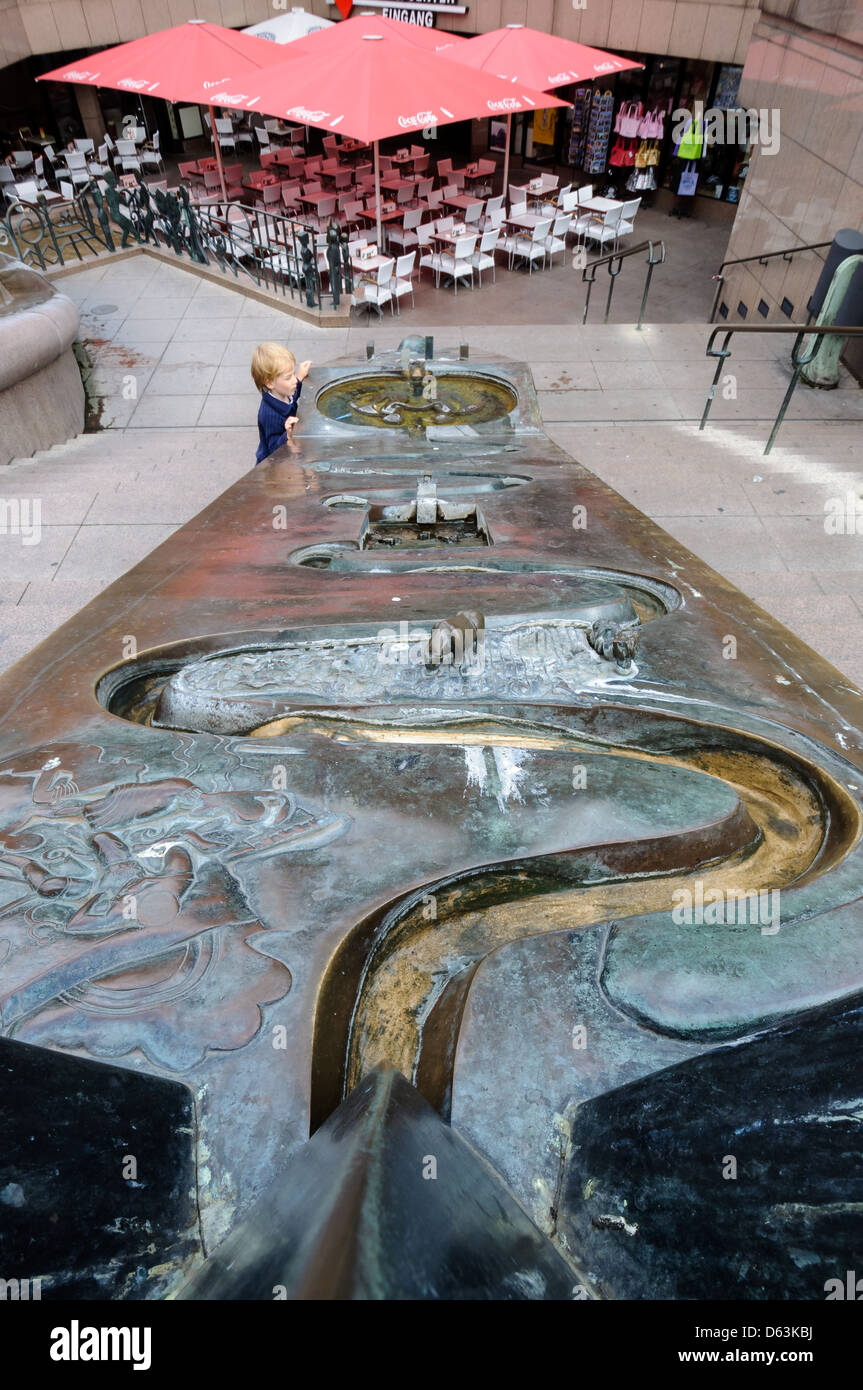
(645, 126)
(692, 141)
(651, 153)
(641, 156)
(641, 181)
(688, 181)
(629, 118)
(651, 127)
(623, 155)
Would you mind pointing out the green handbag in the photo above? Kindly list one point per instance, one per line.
(692, 141)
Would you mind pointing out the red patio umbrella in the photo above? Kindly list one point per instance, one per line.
(185, 63)
(373, 86)
(520, 54)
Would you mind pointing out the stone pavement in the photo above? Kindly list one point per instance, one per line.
(170, 356)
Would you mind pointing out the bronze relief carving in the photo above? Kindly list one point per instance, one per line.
(132, 893)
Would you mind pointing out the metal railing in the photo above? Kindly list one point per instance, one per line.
(616, 259)
(799, 359)
(276, 252)
(762, 259)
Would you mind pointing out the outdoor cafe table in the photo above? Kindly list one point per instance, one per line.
(288, 132)
(369, 215)
(393, 182)
(371, 263)
(599, 205)
(315, 199)
(526, 220)
(256, 188)
(462, 201)
(547, 184)
(407, 158)
(352, 146)
(450, 238)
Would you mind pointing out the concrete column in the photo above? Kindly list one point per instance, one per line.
(90, 112)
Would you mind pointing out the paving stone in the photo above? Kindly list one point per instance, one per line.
(175, 380)
(110, 550)
(230, 410)
(166, 410)
(733, 542)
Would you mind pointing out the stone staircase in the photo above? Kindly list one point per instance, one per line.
(104, 502)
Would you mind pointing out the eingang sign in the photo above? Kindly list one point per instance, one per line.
(423, 12)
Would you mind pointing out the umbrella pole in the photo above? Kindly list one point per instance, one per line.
(506, 152)
(218, 152)
(378, 196)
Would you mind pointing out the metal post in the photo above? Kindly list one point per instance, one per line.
(782, 409)
(506, 153)
(218, 151)
(378, 196)
(651, 262)
(588, 276)
(612, 274)
(722, 354)
(799, 364)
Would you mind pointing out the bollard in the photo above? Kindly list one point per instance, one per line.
(842, 306)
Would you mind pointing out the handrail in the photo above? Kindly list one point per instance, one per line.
(274, 250)
(618, 255)
(762, 259)
(588, 274)
(801, 330)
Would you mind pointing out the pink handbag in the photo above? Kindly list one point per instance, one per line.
(653, 124)
(629, 118)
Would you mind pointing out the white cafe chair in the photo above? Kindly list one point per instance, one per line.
(458, 263)
(402, 281)
(483, 258)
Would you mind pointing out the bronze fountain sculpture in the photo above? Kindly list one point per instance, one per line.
(398, 865)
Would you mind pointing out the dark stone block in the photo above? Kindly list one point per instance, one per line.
(647, 1206)
(68, 1215)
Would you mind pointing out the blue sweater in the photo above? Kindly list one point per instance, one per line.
(272, 415)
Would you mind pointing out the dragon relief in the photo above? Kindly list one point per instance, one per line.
(132, 892)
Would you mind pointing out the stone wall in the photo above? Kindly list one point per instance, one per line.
(680, 28)
(813, 185)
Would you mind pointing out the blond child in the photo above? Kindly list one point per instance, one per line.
(280, 381)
